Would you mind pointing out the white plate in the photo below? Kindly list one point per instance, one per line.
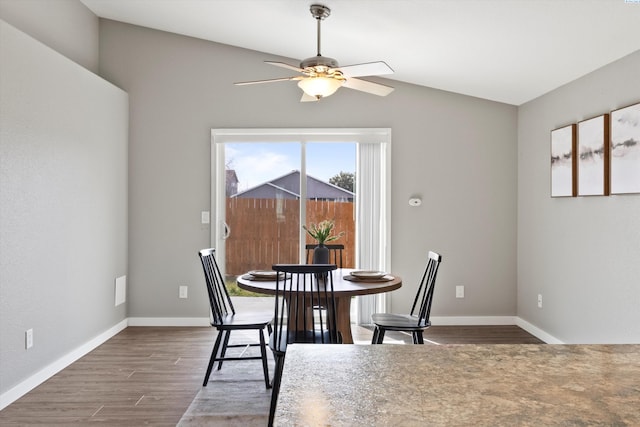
(368, 274)
(263, 274)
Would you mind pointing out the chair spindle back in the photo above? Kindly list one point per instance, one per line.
(335, 253)
(299, 288)
(425, 290)
(219, 298)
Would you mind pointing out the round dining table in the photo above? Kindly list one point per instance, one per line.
(345, 287)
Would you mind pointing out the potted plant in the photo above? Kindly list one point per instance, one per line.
(321, 232)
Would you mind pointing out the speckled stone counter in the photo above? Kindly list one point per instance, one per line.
(460, 385)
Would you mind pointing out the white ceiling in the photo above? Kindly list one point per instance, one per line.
(510, 51)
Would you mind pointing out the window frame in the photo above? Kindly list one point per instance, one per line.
(370, 164)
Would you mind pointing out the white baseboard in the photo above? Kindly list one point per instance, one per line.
(537, 332)
(495, 320)
(47, 372)
(472, 320)
(169, 321)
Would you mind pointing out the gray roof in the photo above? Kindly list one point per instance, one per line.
(288, 187)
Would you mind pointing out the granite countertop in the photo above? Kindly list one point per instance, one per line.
(460, 385)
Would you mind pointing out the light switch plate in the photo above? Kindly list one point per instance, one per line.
(182, 292)
(459, 291)
(205, 217)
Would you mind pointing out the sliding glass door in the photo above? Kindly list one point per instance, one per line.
(267, 183)
(272, 188)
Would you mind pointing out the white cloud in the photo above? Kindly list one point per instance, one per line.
(255, 166)
(256, 163)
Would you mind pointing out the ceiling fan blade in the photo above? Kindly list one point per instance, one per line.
(308, 98)
(378, 68)
(324, 74)
(282, 79)
(367, 86)
(283, 65)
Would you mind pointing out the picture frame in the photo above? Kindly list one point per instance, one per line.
(625, 150)
(592, 156)
(563, 162)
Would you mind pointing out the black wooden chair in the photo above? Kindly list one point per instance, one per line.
(225, 319)
(417, 321)
(299, 288)
(335, 253)
(335, 257)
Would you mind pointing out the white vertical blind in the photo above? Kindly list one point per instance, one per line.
(372, 219)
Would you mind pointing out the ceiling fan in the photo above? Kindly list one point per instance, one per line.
(322, 76)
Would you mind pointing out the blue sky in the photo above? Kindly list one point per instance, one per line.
(256, 163)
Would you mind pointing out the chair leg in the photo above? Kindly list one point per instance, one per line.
(223, 352)
(374, 339)
(417, 337)
(214, 353)
(381, 332)
(277, 376)
(263, 353)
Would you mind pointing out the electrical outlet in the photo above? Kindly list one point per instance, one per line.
(182, 293)
(459, 291)
(28, 338)
(539, 300)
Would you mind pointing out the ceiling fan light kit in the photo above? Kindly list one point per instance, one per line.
(322, 76)
(320, 87)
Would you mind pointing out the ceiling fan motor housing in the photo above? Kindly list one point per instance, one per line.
(315, 61)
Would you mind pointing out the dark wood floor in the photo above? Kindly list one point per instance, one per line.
(150, 375)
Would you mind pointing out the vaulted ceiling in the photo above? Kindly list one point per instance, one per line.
(509, 51)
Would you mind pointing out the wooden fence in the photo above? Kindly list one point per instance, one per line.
(266, 231)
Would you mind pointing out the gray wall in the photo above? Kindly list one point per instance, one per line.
(457, 152)
(63, 205)
(66, 26)
(480, 166)
(582, 254)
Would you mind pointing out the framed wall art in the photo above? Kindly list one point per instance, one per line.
(625, 150)
(563, 159)
(593, 156)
